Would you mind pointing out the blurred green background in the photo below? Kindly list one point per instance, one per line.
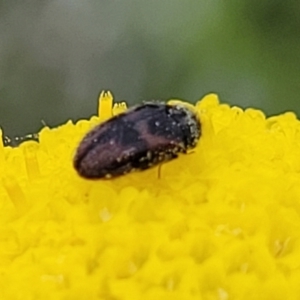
(56, 56)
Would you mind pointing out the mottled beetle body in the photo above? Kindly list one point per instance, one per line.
(137, 139)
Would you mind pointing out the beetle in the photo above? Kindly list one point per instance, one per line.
(17, 141)
(137, 139)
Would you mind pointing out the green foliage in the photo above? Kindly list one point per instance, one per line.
(56, 57)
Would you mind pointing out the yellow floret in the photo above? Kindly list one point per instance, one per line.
(220, 223)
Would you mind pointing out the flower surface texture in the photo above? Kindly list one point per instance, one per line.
(222, 222)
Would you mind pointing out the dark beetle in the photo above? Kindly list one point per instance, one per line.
(142, 137)
(17, 141)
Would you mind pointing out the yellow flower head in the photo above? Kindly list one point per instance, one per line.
(221, 222)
